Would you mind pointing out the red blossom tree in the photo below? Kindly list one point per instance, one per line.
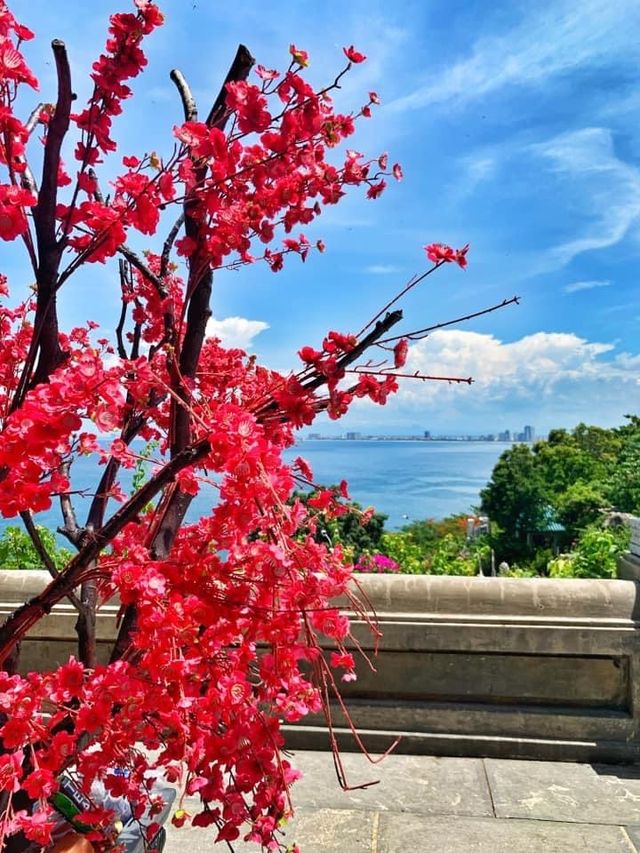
(220, 622)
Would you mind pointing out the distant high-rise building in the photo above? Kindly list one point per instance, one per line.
(427, 434)
(353, 436)
(529, 433)
(504, 436)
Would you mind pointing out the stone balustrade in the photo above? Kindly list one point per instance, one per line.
(530, 668)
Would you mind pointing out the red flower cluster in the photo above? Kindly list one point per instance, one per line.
(440, 253)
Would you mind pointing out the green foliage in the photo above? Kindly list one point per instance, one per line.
(581, 504)
(594, 555)
(141, 471)
(624, 487)
(451, 558)
(17, 550)
(409, 555)
(449, 554)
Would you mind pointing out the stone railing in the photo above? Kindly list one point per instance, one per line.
(534, 668)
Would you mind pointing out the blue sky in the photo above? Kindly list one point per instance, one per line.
(518, 128)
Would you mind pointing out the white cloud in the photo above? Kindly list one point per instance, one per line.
(549, 379)
(606, 190)
(576, 286)
(235, 331)
(556, 37)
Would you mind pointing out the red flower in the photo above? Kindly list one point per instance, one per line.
(400, 353)
(300, 56)
(352, 55)
(461, 256)
(440, 253)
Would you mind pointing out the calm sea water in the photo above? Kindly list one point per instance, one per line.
(406, 480)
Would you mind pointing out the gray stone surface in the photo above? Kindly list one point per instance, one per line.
(420, 834)
(634, 836)
(548, 790)
(406, 783)
(444, 805)
(316, 831)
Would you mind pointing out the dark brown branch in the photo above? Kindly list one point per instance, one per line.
(124, 283)
(70, 529)
(369, 340)
(467, 380)
(168, 245)
(137, 262)
(409, 286)
(44, 555)
(240, 67)
(45, 331)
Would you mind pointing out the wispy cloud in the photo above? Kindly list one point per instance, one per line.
(382, 269)
(576, 286)
(235, 331)
(606, 188)
(554, 38)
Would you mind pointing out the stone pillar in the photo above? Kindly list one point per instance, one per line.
(629, 563)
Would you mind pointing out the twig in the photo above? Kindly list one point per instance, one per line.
(410, 284)
(421, 333)
(168, 245)
(44, 555)
(417, 375)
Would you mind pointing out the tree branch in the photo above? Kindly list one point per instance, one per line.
(44, 555)
(188, 101)
(45, 329)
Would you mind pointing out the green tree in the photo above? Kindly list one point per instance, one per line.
(17, 550)
(515, 499)
(624, 482)
(580, 504)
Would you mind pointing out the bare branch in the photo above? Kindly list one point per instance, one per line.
(413, 281)
(168, 244)
(44, 555)
(137, 262)
(417, 375)
(422, 333)
(186, 96)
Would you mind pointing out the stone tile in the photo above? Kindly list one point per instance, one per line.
(316, 831)
(634, 835)
(422, 834)
(406, 783)
(551, 790)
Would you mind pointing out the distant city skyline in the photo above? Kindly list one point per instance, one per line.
(527, 435)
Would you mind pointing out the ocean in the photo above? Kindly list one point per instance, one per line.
(405, 480)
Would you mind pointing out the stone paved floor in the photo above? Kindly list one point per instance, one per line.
(423, 804)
